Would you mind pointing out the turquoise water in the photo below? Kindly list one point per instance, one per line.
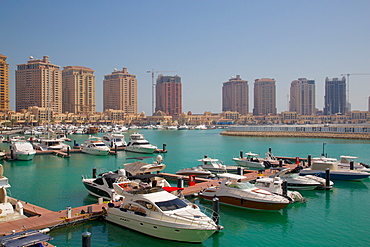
(329, 218)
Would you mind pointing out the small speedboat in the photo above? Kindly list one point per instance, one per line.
(153, 211)
(198, 171)
(216, 166)
(22, 150)
(139, 144)
(297, 182)
(102, 185)
(275, 185)
(95, 146)
(246, 195)
(251, 161)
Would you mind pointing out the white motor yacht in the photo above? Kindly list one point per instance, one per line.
(95, 146)
(139, 144)
(201, 127)
(22, 150)
(10, 209)
(151, 210)
(50, 144)
(244, 194)
(113, 139)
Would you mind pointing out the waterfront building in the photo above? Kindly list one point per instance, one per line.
(169, 95)
(302, 96)
(120, 91)
(78, 90)
(335, 96)
(235, 95)
(264, 97)
(4, 83)
(38, 83)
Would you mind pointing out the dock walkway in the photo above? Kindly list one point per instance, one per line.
(44, 218)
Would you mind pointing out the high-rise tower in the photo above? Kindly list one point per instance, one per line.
(120, 91)
(235, 95)
(4, 84)
(38, 83)
(264, 97)
(78, 89)
(335, 96)
(169, 95)
(302, 96)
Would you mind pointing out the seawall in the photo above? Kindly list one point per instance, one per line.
(354, 136)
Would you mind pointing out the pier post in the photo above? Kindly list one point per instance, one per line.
(269, 150)
(68, 150)
(327, 177)
(74, 143)
(284, 186)
(240, 171)
(280, 163)
(351, 165)
(180, 182)
(94, 172)
(69, 212)
(115, 148)
(216, 209)
(86, 239)
(164, 147)
(309, 160)
(241, 154)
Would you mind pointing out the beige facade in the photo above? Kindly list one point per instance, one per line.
(235, 95)
(302, 96)
(78, 90)
(4, 84)
(169, 95)
(39, 83)
(120, 92)
(264, 97)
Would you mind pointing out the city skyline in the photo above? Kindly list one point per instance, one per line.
(204, 42)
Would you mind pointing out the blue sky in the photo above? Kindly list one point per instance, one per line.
(206, 42)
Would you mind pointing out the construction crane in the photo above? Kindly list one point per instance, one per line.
(348, 82)
(153, 86)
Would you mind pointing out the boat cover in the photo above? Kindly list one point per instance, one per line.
(26, 238)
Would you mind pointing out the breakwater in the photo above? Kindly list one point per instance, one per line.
(301, 131)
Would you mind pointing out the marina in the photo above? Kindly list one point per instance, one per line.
(59, 186)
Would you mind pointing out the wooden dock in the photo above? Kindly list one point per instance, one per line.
(44, 218)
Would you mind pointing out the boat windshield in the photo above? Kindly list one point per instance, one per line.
(244, 185)
(100, 145)
(171, 205)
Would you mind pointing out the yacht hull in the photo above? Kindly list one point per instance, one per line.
(94, 190)
(159, 229)
(24, 156)
(337, 175)
(246, 203)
